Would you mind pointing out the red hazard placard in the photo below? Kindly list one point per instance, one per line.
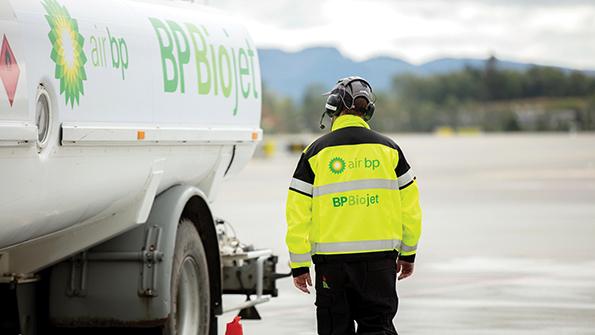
(9, 70)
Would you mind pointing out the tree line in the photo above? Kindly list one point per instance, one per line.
(488, 98)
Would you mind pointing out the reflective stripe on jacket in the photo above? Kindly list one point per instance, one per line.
(352, 192)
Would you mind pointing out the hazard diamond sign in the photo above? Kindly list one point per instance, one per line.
(9, 70)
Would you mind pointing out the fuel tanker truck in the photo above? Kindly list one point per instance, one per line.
(119, 120)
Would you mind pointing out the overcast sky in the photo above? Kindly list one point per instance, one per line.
(554, 32)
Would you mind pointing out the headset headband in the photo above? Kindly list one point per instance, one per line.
(346, 82)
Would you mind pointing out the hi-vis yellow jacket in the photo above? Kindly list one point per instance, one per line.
(352, 192)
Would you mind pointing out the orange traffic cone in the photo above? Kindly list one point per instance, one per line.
(234, 327)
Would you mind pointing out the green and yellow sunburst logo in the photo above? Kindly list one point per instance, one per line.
(67, 51)
(337, 165)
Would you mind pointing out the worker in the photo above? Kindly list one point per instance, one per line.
(353, 210)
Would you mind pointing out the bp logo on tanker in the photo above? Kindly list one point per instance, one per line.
(67, 51)
(108, 51)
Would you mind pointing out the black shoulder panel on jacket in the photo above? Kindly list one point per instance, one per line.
(347, 136)
(303, 171)
(403, 166)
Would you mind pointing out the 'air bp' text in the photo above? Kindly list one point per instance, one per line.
(338, 165)
(219, 69)
(115, 46)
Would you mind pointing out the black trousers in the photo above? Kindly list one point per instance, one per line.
(361, 292)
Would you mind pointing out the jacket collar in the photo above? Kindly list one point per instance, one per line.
(348, 120)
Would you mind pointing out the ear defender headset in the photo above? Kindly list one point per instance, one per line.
(344, 94)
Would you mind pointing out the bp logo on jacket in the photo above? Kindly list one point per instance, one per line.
(337, 165)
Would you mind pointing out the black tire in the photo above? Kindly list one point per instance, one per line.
(185, 295)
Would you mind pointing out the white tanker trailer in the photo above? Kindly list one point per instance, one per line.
(118, 122)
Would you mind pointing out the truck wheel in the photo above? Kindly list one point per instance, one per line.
(190, 298)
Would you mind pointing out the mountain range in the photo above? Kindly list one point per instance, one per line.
(290, 73)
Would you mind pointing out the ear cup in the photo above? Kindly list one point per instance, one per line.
(332, 104)
(369, 112)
